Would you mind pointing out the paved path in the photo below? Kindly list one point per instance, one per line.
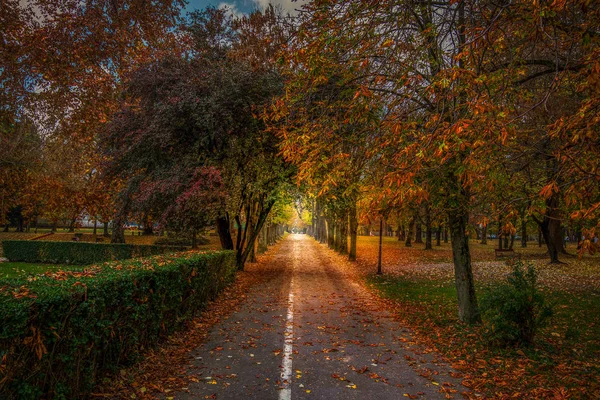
(312, 332)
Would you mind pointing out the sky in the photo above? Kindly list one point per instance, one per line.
(242, 6)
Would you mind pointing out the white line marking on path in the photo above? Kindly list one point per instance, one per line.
(286, 374)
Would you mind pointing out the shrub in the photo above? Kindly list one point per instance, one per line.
(514, 311)
(78, 252)
(61, 332)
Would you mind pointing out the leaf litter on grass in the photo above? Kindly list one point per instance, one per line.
(561, 364)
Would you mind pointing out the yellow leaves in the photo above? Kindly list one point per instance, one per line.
(387, 43)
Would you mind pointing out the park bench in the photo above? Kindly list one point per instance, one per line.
(500, 253)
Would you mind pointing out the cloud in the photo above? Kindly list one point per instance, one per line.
(287, 5)
(232, 8)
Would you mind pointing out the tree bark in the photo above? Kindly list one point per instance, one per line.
(411, 225)
(418, 233)
(468, 311)
(224, 232)
(343, 231)
(438, 236)
(337, 231)
(118, 233)
(251, 232)
(194, 240)
(330, 234)
(523, 231)
(353, 232)
(484, 234)
(379, 270)
(428, 230)
(499, 233)
(551, 229)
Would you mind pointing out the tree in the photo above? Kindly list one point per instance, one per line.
(198, 112)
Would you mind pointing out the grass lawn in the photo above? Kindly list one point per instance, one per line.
(20, 269)
(563, 362)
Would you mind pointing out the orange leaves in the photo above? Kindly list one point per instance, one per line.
(550, 189)
(36, 343)
(363, 91)
(22, 292)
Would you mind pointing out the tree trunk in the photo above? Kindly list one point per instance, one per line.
(105, 229)
(72, 225)
(252, 256)
(379, 270)
(244, 251)
(337, 231)
(445, 234)
(194, 240)
(411, 226)
(353, 232)
(428, 231)
(500, 233)
(484, 234)
(330, 234)
(468, 311)
(343, 231)
(418, 233)
(523, 231)
(313, 220)
(550, 245)
(438, 236)
(224, 232)
(551, 229)
(118, 233)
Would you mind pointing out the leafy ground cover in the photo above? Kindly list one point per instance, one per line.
(562, 363)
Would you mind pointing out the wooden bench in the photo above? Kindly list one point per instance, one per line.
(500, 253)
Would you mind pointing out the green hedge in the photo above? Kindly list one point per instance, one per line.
(78, 252)
(60, 333)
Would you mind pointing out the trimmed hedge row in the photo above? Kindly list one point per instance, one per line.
(60, 332)
(78, 252)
